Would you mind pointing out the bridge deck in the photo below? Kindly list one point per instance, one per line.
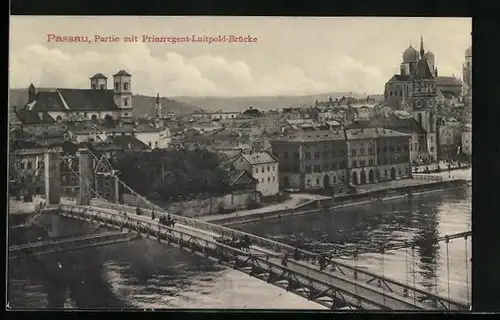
(369, 292)
(66, 244)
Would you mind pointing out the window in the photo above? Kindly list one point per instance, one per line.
(385, 173)
(378, 149)
(317, 181)
(390, 93)
(125, 86)
(101, 87)
(274, 178)
(391, 148)
(316, 155)
(285, 155)
(125, 101)
(262, 170)
(268, 179)
(308, 156)
(117, 86)
(354, 163)
(126, 114)
(296, 168)
(325, 154)
(149, 143)
(156, 144)
(262, 180)
(308, 169)
(274, 168)
(85, 115)
(370, 150)
(416, 147)
(353, 152)
(334, 154)
(256, 170)
(317, 168)
(406, 147)
(29, 164)
(334, 179)
(93, 117)
(326, 166)
(398, 148)
(411, 147)
(385, 148)
(370, 162)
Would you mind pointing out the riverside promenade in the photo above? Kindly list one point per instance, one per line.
(301, 204)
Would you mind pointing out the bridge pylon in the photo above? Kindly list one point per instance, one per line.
(52, 176)
(85, 175)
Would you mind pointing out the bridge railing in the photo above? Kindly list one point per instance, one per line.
(196, 242)
(337, 266)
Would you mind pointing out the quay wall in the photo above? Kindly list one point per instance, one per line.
(344, 201)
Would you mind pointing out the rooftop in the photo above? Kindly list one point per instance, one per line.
(371, 133)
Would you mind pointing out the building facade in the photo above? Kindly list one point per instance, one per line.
(264, 168)
(311, 158)
(467, 141)
(449, 136)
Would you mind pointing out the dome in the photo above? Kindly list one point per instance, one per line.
(429, 56)
(468, 52)
(410, 55)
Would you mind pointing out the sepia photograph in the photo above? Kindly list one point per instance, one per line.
(271, 163)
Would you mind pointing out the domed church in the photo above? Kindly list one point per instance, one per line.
(417, 64)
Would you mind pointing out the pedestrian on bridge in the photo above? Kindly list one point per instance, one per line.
(153, 214)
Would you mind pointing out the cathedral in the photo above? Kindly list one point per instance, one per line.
(415, 89)
(467, 76)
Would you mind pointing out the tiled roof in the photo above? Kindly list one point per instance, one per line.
(99, 76)
(424, 70)
(235, 176)
(255, 158)
(122, 73)
(48, 101)
(449, 94)
(393, 122)
(371, 133)
(447, 81)
(128, 143)
(32, 117)
(88, 99)
(311, 135)
(399, 77)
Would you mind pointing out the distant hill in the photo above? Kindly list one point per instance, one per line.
(263, 103)
(142, 104)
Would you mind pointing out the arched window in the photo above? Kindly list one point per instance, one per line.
(58, 119)
(125, 101)
(93, 117)
(125, 86)
(117, 86)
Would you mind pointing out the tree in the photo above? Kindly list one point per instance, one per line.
(173, 173)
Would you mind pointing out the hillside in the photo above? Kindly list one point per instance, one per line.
(262, 103)
(142, 104)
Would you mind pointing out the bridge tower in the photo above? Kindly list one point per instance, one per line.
(52, 176)
(106, 180)
(86, 173)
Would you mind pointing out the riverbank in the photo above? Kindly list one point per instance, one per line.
(407, 189)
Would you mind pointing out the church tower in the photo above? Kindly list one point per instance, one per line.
(122, 93)
(423, 101)
(99, 81)
(467, 73)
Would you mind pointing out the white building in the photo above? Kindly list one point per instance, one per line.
(264, 167)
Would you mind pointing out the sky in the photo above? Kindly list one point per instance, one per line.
(291, 55)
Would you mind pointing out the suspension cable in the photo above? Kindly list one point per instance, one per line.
(447, 241)
(406, 263)
(356, 269)
(413, 271)
(466, 270)
(382, 265)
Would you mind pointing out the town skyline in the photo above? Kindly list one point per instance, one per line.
(291, 57)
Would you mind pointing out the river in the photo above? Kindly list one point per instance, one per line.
(147, 275)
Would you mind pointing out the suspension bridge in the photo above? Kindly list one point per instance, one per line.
(325, 280)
